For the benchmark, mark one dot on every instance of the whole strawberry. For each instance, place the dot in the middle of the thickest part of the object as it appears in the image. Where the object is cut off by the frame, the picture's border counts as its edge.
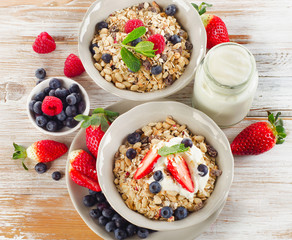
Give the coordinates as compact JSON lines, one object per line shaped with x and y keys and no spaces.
{"x":215,"y":28}
{"x":96,"y":125}
{"x":40,"y":151}
{"x":259,"y":137}
{"x":44,"y":43}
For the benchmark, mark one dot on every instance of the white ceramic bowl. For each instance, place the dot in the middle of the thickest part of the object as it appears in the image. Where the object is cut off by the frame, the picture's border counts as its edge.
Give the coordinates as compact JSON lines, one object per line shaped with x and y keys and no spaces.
{"x":186,"y":15}
{"x":198,"y":123}
{"x":66,"y":82}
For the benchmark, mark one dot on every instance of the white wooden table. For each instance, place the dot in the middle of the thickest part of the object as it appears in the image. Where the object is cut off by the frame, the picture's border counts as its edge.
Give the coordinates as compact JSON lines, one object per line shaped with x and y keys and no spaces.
{"x":34,"y":206}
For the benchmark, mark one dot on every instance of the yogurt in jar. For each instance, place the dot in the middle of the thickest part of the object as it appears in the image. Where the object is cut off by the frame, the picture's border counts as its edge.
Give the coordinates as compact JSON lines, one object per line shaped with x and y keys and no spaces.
{"x":225,"y":83}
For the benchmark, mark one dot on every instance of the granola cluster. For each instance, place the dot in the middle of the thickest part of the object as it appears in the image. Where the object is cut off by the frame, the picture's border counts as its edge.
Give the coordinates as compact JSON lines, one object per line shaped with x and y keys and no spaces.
{"x":136,"y":193}
{"x":173,"y":60}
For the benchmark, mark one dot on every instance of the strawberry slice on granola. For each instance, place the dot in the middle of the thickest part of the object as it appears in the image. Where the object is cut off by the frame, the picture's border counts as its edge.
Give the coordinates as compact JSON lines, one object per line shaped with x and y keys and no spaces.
{"x":178,"y":168}
{"x":147,"y":164}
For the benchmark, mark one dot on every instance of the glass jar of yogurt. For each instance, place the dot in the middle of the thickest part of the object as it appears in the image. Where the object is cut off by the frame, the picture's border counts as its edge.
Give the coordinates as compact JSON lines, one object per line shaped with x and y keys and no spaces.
{"x":225,"y":83}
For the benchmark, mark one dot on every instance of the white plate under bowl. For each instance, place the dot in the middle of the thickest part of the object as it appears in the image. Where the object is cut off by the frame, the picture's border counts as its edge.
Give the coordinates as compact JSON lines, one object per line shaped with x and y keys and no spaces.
{"x":77,"y":193}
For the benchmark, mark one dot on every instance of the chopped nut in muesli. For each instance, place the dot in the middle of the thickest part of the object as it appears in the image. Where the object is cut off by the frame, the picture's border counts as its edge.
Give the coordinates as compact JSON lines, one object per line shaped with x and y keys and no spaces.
{"x":163,"y":171}
{"x":150,"y":61}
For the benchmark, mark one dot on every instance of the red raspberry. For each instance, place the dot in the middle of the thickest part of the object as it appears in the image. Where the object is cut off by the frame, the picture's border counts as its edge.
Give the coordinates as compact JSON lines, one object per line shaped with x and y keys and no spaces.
{"x":133,"y":24}
{"x":52,"y":106}
{"x":44,"y":43}
{"x":159,"y":42}
{"x":73,"y":66}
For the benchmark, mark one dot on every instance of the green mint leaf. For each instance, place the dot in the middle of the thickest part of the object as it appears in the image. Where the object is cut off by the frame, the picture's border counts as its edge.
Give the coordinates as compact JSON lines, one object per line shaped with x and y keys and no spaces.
{"x":81,"y":117}
{"x":149,"y":54}
{"x":98,"y":110}
{"x":130,"y":60}
{"x":164,"y":151}
{"x":144,"y":46}
{"x":136,"y":33}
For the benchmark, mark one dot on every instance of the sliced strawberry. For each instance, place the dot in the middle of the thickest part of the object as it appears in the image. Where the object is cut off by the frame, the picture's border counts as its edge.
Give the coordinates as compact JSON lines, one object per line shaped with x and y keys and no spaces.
{"x":147,"y":164}
{"x":84,"y":163}
{"x":84,"y":181}
{"x":178,"y":168}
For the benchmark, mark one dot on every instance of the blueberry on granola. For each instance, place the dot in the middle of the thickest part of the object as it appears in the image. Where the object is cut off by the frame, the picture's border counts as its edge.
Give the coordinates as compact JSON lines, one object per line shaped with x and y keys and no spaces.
{"x":134,"y":137}
{"x":155,"y":187}
{"x":170,"y":10}
{"x":106,"y":57}
{"x":101,"y":25}
{"x":158,"y":175}
{"x":180,"y":213}
{"x":175,"y":39}
{"x":93,"y":45}
{"x":156,"y":69}
{"x":187,"y":142}
{"x":203,"y":170}
{"x":136,"y":41}
{"x":166,"y":212}
{"x":131,"y":153}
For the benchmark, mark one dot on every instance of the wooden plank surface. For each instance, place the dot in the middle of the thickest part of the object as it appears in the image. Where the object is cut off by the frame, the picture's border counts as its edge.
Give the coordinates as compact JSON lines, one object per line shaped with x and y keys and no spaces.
{"x":34,"y":206}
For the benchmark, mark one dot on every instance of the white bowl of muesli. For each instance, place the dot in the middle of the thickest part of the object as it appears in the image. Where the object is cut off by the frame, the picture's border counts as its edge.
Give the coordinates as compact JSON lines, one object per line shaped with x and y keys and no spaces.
{"x":141,"y":50}
{"x":165,"y":166}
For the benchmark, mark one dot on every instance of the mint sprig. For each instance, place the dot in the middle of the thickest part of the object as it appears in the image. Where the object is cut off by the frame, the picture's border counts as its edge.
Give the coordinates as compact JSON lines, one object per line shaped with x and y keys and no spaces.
{"x":177,"y":148}
{"x":145,"y":48}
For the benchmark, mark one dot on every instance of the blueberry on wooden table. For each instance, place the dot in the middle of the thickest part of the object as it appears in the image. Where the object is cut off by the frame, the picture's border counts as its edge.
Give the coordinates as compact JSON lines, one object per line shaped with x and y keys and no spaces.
{"x":56,"y":175}
{"x":40,"y":167}
{"x":40,"y":73}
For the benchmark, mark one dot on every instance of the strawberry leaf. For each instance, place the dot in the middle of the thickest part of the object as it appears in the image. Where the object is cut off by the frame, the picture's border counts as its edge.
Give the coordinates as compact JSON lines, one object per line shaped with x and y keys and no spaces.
{"x":24,"y":166}
{"x":98,"y":110}
{"x":164,"y":151}
{"x":81,"y":117}
{"x":202,"y":8}
{"x":136,"y":33}
{"x":85,"y":124}
{"x":19,"y":151}
{"x":104,"y":124}
{"x":111,"y":113}
{"x":95,"y":120}
{"x":271,"y":118}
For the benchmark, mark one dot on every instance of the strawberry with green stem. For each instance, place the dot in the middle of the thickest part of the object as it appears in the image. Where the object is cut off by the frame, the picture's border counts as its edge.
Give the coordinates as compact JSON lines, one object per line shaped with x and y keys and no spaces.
{"x":259,"y":137}
{"x":215,"y":28}
{"x":40,"y":151}
{"x":96,"y":125}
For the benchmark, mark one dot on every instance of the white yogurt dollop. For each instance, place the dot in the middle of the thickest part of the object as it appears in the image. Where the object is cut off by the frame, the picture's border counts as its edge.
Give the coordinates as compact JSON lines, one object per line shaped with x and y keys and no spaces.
{"x":193,"y":157}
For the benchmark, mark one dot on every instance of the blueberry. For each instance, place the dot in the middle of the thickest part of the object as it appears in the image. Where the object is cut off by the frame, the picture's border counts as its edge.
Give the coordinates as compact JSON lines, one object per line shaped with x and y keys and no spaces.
{"x":101,"y":25}
{"x":70,"y":122}
{"x":39,"y":96}
{"x":130,"y":70}
{"x":61,"y":93}
{"x":156,"y":69}
{"x":121,"y":222}
{"x":131,"y":230}
{"x":175,"y":39}
{"x":106,"y":57}
{"x":180,"y":213}
{"x":40,"y":73}
{"x":91,"y":48}
{"x":120,"y":234}
{"x":166,"y":212}
{"x":134,"y":137}
{"x":77,"y":96}
{"x":81,"y":107}
{"x":39,"y":81}
{"x":52,"y":126}
{"x":203,"y":170}
{"x":136,"y":41}
{"x":116,"y":216}
{"x":155,"y":187}
{"x":158,"y":175}
{"x":95,"y":213}
{"x":189,"y":45}
{"x":187,"y":142}
{"x":47,"y":90}
{"x":170,"y":10}
{"x":30,"y":105}
{"x":101,"y":206}
{"x":143,"y":233}
{"x":71,"y":111}
{"x":108,"y":213}
{"x":110,"y":226}
{"x":40,"y":168}
{"x":61,"y":116}
{"x":52,"y":92}
{"x":74,"y":88}
{"x":102,"y":220}
{"x":71,"y":99}
{"x":55,"y":83}
{"x":56,"y":175}
{"x":41,"y":121}
{"x":131,"y":153}
{"x":91,"y":192}
{"x":89,"y":200}
{"x":100,"y":197}
{"x":60,"y":124}
{"x":37,"y":107}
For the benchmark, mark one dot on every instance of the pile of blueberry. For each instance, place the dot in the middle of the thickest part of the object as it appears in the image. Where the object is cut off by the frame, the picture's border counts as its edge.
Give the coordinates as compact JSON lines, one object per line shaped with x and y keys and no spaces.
{"x":72,"y":101}
{"x":110,"y":219}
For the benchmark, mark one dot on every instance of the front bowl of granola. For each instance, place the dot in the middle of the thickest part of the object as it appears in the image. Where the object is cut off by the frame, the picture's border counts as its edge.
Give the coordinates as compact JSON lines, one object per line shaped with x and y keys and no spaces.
{"x":165,"y":166}
{"x":152,"y":71}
